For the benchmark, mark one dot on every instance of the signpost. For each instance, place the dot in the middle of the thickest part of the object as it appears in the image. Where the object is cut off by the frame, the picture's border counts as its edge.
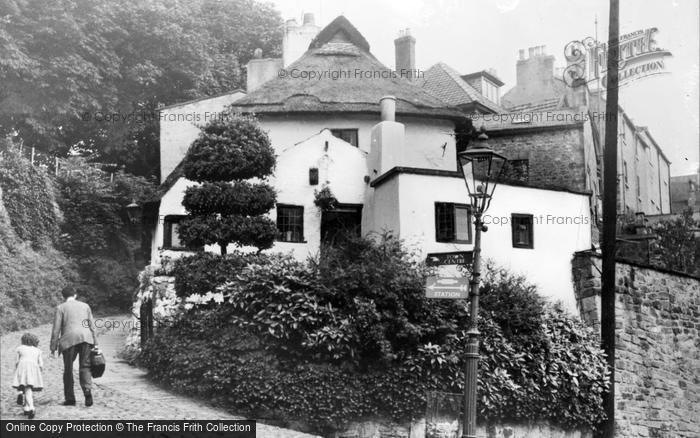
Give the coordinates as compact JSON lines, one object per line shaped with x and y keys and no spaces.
{"x":449,"y":258}
{"x":447,"y":285}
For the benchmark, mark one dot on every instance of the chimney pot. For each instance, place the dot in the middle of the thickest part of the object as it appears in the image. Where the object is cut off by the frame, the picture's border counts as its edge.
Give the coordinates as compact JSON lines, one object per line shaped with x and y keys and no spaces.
{"x":387,"y":105}
{"x":531,"y":52}
{"x":521,"y":54}
{"x":309,"y":19}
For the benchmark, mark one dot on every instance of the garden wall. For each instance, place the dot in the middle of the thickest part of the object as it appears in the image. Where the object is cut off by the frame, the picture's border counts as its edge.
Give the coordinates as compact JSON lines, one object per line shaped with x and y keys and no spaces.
{"x":371,"y":429}
{"x":657,"y":374}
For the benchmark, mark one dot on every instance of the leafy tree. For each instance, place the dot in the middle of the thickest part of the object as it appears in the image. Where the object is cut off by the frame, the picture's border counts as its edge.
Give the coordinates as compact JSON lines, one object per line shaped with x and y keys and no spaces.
{"x":96,"y":232}
{"x":677,"y":246}
{"x":67,"y":65}
{"x":93,"y":206}
{"x":226,"y":208}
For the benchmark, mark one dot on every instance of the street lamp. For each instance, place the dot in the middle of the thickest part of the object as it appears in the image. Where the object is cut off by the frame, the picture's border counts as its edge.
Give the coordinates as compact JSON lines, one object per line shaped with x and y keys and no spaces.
{"x":481,"y":168}
{"x":133,"y":211}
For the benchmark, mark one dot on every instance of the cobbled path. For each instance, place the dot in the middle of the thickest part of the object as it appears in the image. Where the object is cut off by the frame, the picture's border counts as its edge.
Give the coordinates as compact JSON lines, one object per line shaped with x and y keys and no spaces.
{"x":122,"y":393}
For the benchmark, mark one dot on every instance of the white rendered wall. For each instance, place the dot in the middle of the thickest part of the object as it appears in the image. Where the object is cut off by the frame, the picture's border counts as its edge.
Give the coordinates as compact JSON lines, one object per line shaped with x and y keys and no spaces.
{"x":548,"y":264}
{"x":343,"y":167}
{"x":180,"y":126}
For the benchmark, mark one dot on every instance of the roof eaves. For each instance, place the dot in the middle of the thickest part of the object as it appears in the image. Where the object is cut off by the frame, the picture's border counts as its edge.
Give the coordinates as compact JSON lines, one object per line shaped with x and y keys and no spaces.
{"x":199,"y":99}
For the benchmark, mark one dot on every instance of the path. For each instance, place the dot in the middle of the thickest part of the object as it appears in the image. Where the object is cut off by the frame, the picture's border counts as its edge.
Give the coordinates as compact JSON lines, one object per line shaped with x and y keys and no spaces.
{"x":123,"y":392}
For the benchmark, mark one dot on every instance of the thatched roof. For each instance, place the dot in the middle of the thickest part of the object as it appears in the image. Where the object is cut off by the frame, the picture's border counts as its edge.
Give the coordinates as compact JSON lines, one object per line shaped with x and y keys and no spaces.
{"x":342,"y":54}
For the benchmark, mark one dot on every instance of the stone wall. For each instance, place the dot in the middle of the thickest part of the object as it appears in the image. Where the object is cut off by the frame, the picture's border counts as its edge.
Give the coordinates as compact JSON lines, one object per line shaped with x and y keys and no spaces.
{"x":416,"y":429}
{"x":555,"y":157}
{"x":657,"y":373}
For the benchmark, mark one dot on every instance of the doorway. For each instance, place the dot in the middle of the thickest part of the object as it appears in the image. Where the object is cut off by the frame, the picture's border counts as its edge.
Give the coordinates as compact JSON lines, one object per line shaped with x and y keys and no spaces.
{"x":341,"y":222}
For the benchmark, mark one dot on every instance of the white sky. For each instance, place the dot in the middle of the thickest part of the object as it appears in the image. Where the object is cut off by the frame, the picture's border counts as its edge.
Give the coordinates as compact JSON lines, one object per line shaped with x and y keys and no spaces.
{"x":475,"y":35}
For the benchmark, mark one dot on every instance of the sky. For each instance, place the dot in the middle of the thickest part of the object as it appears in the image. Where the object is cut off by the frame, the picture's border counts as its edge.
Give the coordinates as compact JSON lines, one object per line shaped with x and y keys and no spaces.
{"x":477,"y":35}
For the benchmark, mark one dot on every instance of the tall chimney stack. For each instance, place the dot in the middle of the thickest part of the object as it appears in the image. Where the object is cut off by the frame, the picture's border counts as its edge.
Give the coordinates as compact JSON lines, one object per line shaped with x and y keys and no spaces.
{"x":405,"y":53}
{"x":296,"y":38}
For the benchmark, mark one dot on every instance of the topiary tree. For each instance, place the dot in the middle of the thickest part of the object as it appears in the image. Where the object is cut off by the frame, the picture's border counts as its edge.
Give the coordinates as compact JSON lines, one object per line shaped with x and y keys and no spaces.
{"x":226,"y":208}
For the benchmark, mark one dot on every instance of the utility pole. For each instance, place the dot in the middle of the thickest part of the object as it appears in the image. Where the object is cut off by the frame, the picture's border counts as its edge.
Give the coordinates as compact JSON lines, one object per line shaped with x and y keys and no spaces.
{"x":607,"y":294}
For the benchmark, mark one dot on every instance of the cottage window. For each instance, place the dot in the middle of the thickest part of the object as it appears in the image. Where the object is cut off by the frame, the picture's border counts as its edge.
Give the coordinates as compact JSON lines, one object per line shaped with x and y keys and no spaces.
{"x":521,"y":225}
{"x":348,"y":135}
{"x":290,"y":223}
{"x":452,"y":223}
{"x":171,"y":237}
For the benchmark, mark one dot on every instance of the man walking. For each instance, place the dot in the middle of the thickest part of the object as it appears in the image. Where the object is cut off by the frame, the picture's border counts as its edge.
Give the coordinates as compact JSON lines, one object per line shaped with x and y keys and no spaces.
{"x":73,"y":335}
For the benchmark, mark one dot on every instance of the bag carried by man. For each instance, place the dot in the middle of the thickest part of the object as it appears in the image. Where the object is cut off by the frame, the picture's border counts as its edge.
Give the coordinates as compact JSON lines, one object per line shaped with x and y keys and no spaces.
{"x":97,"y":362}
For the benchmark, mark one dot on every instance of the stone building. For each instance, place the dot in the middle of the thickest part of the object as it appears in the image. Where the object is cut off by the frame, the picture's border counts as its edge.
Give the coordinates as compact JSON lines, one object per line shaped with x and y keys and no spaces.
{"x":685,"y":193}
{"x":541,"y":103}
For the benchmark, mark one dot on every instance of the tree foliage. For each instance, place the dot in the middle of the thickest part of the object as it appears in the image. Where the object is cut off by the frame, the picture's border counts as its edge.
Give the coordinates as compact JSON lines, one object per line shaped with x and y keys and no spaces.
{"x":232,"y":147}
{"x":677,"y":246}
{"x":29,"y":197}
{"x":94,"y":208}
{"x":90,"y":74}
{"x":96,"y":232}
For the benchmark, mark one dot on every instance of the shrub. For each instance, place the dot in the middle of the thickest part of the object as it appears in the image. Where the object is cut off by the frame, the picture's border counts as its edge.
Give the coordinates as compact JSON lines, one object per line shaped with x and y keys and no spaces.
{"x":203,"y":272}
{"x":229,"y":148}
{"x":352,"y":336}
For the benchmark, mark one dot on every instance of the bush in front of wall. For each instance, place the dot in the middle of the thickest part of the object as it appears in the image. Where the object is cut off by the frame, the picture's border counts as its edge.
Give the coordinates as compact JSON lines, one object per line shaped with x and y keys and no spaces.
{"x":203,"y":272}
{"x":352,"y":336}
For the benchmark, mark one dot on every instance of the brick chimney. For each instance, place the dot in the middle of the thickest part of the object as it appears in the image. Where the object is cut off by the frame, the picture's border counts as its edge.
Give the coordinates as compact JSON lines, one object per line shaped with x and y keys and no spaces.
{"x":536,"y":70}
{"x":405,"y":53}
{"x":260,"y":70}
{"x":534,"y":78}
{"x":296,"y":39}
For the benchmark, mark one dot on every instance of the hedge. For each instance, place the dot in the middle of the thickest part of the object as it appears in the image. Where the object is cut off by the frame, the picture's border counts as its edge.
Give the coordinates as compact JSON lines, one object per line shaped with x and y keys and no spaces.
{"x":352,"y":336}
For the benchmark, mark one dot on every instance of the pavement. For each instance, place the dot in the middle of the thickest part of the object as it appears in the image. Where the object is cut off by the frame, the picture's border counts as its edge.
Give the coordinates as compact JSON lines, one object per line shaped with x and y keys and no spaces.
{"x":123,"y":393}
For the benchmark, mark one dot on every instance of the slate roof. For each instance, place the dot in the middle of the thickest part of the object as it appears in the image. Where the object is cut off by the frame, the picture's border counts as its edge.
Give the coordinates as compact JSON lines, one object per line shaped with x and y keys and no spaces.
{"x":444,"y":82}
{"x":340,"y":47}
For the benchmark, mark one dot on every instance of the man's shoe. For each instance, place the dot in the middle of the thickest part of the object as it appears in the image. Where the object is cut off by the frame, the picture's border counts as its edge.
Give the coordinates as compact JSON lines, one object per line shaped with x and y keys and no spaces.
{"x":88,"y":399}
{"x":68,"y":403}
{"x":31,"y":414}
{"x":20,"y":399}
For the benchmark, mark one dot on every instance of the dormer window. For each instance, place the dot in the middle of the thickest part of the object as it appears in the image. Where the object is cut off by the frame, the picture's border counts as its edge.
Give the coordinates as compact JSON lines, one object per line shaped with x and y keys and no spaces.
{"x":347,"y":135}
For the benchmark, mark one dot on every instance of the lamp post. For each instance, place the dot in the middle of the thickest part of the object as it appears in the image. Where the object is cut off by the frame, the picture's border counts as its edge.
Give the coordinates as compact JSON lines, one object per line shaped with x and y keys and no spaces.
{"x":481,"y":167}
{"x":133,"y":211}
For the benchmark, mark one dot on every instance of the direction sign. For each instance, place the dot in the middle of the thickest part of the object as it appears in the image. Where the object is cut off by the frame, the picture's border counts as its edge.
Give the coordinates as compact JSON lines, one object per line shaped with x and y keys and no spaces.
{"x":446,"y":287}
{"x":449,"y":258}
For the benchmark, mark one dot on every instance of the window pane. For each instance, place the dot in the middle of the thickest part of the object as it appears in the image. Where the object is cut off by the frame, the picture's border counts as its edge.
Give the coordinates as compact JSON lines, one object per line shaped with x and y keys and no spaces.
{"x":290,"y":223}
{"x":522,"y":231}
{"x":461,"y":223}
{"x":444,"y":221}
{"x":175,"y":236}
{"x":348,"y":135}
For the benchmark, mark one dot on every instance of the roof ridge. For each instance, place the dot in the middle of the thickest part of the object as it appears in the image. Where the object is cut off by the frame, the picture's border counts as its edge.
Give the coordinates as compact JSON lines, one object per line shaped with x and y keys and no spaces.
{"x":340,"y":24}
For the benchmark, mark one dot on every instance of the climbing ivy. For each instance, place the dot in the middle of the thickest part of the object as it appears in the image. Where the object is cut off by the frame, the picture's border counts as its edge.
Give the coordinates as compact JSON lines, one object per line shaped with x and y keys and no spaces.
{"x":29,"y":198}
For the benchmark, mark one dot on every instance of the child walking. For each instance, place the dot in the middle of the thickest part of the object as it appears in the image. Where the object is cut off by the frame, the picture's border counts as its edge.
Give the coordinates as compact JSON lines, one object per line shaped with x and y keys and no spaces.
{"x":28,"y":371}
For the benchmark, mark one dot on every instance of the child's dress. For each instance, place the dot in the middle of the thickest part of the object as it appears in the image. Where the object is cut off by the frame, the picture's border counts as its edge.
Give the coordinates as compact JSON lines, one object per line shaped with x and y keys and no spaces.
{"x":28,"y":372}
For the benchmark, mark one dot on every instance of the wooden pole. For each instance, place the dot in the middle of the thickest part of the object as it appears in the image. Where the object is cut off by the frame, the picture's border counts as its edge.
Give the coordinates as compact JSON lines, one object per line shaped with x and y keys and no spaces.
{"x":32,"y":155}
{"x":607,"y":295}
